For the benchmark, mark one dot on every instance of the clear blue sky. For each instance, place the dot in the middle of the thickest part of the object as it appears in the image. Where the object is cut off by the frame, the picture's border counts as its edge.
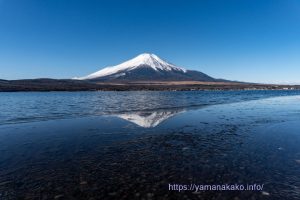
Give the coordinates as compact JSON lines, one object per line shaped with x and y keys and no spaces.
{"x":248,"y":40}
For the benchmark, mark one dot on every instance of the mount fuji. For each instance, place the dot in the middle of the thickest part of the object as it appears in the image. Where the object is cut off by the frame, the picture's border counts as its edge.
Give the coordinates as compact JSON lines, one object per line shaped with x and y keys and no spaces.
{"x":146,"y":67}
{"x":144,"y":72}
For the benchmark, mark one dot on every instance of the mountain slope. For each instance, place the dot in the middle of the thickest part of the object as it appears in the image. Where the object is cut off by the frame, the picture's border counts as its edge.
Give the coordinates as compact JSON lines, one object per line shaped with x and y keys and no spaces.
{"x":146,"y":67}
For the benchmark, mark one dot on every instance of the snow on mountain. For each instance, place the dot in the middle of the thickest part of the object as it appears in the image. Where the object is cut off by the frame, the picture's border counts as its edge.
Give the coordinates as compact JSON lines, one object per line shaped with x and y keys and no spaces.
{"x":142,"y":60}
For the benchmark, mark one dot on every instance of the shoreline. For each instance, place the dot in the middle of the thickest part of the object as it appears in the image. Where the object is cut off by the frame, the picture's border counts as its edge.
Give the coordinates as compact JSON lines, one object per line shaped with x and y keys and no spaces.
{"x":47,"y":85}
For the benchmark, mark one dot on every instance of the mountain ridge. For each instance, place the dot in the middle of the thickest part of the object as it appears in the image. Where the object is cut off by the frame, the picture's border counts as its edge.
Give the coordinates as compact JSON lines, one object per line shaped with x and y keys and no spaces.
{"x":146,"y":67}
{"x":144,"y":72}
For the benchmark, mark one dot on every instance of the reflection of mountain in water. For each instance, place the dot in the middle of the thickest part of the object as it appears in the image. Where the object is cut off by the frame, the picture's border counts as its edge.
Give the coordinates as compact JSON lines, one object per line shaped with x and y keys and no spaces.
{"x":149,"y":119}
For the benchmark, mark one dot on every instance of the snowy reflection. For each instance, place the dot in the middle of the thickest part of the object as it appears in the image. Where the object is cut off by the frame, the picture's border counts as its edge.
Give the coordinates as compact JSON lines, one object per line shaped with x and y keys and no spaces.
{"x":149,"y":119}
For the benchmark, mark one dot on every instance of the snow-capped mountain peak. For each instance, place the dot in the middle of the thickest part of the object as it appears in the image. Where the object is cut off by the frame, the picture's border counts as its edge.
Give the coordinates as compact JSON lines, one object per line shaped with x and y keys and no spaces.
{"x":142,"y":60}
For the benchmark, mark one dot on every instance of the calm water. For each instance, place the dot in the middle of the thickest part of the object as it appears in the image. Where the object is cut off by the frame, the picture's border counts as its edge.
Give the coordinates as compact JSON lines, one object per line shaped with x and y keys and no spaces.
{"x":132,"y":145}
{"x":37,"y":106}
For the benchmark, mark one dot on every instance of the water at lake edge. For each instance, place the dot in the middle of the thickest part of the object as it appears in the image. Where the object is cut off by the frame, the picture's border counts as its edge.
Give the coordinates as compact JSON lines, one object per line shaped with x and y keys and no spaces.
{"x":136,"y":154}
{"x":39,"y":106}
